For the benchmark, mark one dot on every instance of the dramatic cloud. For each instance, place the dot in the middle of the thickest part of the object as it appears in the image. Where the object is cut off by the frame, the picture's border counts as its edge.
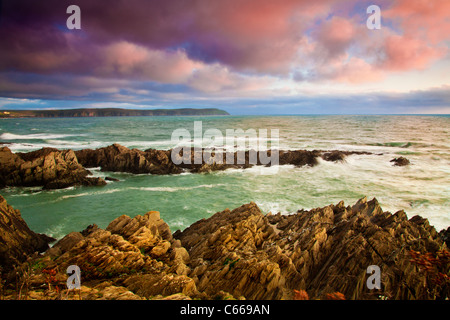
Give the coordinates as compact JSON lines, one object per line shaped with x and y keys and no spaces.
{"x":147,"y":51}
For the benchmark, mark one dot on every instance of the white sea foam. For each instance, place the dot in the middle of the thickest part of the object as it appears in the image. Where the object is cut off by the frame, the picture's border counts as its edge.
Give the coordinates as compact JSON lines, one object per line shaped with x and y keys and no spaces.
{"x":161,"y":144}
{"x":58,"y":144}
{"x":274,"y":206}
{"x":420,"y":188}
{"x":34,"y":136}
{"x":74,"y":195}
{"x":84,"y":194}
{"x":257,"y":170}
{"x":175,"y":189}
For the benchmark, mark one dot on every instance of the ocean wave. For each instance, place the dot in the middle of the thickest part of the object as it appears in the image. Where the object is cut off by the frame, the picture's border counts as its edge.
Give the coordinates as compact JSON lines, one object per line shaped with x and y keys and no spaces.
{"x":274,"y":206}
{"x":175,"y":189}
{"x":74,"y":196}
{"x":257,"y":170}
{"x":34,"y":136}
{"x":166,"y":144}
{"x":27,"y":147}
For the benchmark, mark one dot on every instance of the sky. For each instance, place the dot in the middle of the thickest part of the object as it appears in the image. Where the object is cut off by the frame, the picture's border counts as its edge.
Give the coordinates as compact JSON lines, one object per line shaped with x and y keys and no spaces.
{"x":242,"y":56}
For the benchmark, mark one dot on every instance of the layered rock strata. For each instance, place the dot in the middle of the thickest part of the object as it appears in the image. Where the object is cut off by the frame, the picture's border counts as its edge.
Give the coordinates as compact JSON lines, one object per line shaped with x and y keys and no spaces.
{"x":55,"y":169}
{"x":47,"y":167}
{"x":245,"y":254}
{"x":122,"y":159}
{"x":17,"y":241}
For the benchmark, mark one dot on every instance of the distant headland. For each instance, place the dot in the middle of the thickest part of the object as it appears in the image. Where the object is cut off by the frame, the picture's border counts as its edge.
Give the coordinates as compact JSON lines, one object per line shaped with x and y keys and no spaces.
{"x":110,"y":112}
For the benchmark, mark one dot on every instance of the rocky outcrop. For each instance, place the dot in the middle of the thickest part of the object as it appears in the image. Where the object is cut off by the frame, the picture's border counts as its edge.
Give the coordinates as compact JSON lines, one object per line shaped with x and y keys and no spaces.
{"x":121,"y":159}
{"x":244,"y":254}
{"x":17,"y":241}
{"x":400,"y":161}
{"x":47,"y":167}
{"x":321,"y":251}
{"x":55,"y":169}
{"x":138,"y":254}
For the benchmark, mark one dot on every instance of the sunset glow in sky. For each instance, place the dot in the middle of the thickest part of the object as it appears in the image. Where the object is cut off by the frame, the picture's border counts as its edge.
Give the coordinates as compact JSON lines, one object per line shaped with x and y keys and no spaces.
{"x":243,"y":56}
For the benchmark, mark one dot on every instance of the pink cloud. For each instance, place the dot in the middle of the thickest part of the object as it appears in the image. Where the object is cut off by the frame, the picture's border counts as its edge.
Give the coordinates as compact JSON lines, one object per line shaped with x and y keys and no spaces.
{"x":403,"y":53}
{"x":428,"y":20}
{"x":217,"y":45}
{"x":335,"y":36}
{"x":128,"y":60}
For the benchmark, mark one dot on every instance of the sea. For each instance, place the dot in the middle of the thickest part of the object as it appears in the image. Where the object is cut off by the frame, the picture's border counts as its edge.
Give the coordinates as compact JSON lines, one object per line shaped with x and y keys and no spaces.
{"x":421,"y":188}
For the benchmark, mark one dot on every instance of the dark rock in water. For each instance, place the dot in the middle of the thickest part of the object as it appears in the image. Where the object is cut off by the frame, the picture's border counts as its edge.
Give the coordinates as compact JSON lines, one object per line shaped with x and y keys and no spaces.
{"x":47,"y":167}
{"x":17,"y":241}
{"x":334,"y":156}
{"x":111,"y":179}
{"x":299,"y":157}
{"x":400,"y":161}
{"x":55,"y":169}
{"x":118,"y":158}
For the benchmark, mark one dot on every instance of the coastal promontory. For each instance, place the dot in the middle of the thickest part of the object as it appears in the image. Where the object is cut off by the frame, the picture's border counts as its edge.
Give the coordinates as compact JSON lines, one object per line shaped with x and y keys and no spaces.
{"x":110,"y":112}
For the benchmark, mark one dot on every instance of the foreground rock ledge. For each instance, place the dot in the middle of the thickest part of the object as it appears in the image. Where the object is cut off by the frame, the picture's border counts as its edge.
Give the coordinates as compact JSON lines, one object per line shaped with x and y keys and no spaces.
{"x":241,"y":254}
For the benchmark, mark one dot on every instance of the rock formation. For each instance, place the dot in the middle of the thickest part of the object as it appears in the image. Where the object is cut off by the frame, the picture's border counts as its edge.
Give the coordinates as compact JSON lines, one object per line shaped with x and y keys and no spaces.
{"x":244,"y":254}
{"x":17,"y":241}
{"x":321,"y":251}
{"x":400,"y":161}
{"x":55,"y":169}
{"x":121,"y":159}
{"x":47,"y":167}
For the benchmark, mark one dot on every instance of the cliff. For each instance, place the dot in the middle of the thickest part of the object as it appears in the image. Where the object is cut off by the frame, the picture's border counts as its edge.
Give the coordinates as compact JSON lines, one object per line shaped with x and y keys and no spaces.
{"x":242,"y":254}
{"x":110,"y":112}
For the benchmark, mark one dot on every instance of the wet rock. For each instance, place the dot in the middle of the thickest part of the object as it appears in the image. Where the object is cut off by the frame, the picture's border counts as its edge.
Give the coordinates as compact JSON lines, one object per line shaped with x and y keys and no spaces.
{"x":111,"y":179}
{"x":47,"y":167}
{"x":334,"y":156}
{"x":121,"y":159}
{"x":400,"y":161}
{"x":118,"y":158}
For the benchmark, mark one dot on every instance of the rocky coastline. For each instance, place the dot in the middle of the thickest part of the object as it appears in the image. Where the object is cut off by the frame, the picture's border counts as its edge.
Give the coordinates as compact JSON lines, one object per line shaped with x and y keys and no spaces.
{"x":235,"y":254}
{"x":51,"y":168}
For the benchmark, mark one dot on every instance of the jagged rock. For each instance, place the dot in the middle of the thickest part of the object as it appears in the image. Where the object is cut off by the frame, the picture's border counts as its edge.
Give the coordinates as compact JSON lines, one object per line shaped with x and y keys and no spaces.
{"x":55,"y":169}
{"x":149,"y":285}
{"x":47,"y":167}
{"x":127,"y":245}
{"x":323,"y":250}
{"x":400,"y":161}
{"x":107,"y":291}
{"x":445,"y":236}
{"x":17,"y":241}
{"x":337,"y":155}
{"x":299,"y":157}
{"x":244,"y":254}
{"x":121,"y":159}
{"x":130,"y":254}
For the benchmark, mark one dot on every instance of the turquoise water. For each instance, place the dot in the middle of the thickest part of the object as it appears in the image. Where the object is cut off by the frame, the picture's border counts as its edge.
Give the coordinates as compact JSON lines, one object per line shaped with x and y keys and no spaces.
{"x":421,"y":188}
